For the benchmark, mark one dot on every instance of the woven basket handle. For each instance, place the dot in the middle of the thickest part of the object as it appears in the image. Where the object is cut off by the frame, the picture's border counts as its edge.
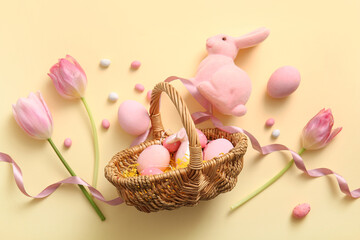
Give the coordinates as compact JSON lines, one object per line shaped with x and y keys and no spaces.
{"x":158,"y":129}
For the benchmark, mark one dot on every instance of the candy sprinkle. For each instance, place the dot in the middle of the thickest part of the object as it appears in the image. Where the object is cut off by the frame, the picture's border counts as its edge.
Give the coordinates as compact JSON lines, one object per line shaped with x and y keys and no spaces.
{"x":275,"y":133}
{"x":105,"y":63}
{"x":67,"y":142}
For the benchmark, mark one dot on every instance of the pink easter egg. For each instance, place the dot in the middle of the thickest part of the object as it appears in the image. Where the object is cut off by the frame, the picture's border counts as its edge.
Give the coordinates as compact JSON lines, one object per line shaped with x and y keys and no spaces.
{"x":202,"y":138}
{"x":284,"y":81}
{"x":270,"y":122}
{"x":301,"y":210}
{"x":217,"y":148}
{"x":154,"y":156}
{"x":135,"y":64}
{"x":139,"y":87}
{"x":150,"y":171}
{"x":133,"y":117}
{"x":67,"y":142}
{"x":182,"y":157}
{"x":105,"y":124}
{"x":171,"y":147}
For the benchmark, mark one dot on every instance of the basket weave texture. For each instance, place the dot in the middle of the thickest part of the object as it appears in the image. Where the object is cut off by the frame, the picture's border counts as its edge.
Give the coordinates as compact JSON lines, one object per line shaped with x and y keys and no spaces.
{"x":181,"y":187}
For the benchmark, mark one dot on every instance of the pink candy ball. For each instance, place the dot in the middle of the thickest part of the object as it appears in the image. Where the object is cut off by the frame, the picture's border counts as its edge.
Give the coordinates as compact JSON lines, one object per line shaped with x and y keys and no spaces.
{"x":139,"y":87}
{"x":148,"y":95}
{"x":284,"y":81}
{"x":154,"y":156}
{"x":270,"y":122}
{"x":133,"y":117}
{"x":301,"y":210}
{"x":67,"y":142}
{"x":135,"y":64}
{"x":171,"y":147}
{"x":105,"y":123}
{"x":150,"y":171}
{"x":217,"y":148}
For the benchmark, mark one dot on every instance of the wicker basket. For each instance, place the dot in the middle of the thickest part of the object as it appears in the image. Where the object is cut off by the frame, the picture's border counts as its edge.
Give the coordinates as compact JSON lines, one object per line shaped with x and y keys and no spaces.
{"x":182,"y":187}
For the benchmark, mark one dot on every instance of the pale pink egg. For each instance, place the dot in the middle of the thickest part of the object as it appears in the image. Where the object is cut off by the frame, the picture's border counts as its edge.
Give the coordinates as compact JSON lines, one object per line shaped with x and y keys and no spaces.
{"x":67,"y":142}
{"x":182,"y":157}
{"x":150,"y":171}
{"x":301,"y":210}
{"x":135,"y":64}
{"x":202,"y":138}
{"x":171,"y":147}
{"x":105,"y":124}
{"x":133,"y":117}
{"x":284,"y":81}
{"x":217,"y":148}
{"x":270,"y":122}
{"x":154,"y":156}
{"x":139,"y":87}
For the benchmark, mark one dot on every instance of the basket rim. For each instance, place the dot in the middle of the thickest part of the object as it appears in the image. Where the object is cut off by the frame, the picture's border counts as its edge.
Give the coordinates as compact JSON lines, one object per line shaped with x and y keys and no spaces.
{"x":166,"y":175}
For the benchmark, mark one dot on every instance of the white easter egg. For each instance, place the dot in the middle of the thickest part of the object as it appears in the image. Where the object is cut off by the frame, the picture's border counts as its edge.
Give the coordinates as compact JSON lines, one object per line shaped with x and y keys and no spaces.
{"x":113,"y":97}
{"x":275,"y":133}
{"x":105,"y":62}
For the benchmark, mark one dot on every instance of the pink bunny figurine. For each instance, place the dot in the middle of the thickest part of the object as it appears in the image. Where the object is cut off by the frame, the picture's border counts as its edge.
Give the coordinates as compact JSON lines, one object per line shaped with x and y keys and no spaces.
{"x":219,"y":80}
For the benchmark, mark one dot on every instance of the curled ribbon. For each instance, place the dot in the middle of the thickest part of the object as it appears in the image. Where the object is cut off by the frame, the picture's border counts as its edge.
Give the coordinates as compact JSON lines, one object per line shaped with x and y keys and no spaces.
{"x":199,"y":117}
{"x":52,"y":188}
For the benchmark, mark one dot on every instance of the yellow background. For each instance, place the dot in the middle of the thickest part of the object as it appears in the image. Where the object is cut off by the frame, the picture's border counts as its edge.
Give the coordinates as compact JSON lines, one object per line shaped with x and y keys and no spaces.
{"x":320,"y":38}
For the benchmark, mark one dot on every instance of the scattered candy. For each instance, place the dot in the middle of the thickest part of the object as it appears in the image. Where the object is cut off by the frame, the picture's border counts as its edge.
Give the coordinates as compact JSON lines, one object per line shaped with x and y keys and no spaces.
{"x":150,"y":171}
{"x":148,"y":95}
{"x":105,"y":123}
{"x":154,"y":156}
{"x":284,"y":81}
{"x":113,"y":97}
{"x":269,"y":122}
{"x":301,"y":210}
{"x":217,"y":148}
{"x":139,"y":87}
{"x":135,"y":64}
{"x":105,"y":62}
{"x":133,"y":117}
{"x":275,"y":133}
{"x":171,"y":147}
{"x":67,"y":142}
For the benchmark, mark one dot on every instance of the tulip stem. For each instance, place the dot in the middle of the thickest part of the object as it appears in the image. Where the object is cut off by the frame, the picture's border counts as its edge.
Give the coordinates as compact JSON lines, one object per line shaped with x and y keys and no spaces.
{"x":87,"y":195}
{"x":267,"y":184}
{"x":96,"y":143}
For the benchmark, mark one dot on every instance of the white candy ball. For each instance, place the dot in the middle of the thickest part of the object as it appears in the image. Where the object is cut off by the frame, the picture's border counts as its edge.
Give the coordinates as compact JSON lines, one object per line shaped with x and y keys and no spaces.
{"x":105,"y":62}
{"x":275,"y":133}
{"x":113,"y":97}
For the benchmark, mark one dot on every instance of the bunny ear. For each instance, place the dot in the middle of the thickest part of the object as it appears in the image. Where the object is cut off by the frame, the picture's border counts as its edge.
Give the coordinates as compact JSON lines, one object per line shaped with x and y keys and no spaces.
{"x":253,"y":38}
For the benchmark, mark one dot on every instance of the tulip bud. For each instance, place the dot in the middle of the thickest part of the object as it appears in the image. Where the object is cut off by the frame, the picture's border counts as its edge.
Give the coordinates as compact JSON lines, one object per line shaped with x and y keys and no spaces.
{"x":69,"y":78}
{"x":33,"y":116}
{"x":318,"y":131}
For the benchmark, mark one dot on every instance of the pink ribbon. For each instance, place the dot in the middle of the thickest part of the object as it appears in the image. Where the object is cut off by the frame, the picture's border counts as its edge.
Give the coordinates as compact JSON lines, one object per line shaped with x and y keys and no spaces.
{"x":52,"y":188}
{"x":199,"y":117}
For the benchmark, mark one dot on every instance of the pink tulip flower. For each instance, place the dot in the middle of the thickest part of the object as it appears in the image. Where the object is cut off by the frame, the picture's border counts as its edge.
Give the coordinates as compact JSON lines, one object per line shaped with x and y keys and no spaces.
{"x":70,"y":81}
{"x":33,"y":116}
{"x":316,"y":134}
{"x":318,"y":131}
{"x":69,"y":78}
